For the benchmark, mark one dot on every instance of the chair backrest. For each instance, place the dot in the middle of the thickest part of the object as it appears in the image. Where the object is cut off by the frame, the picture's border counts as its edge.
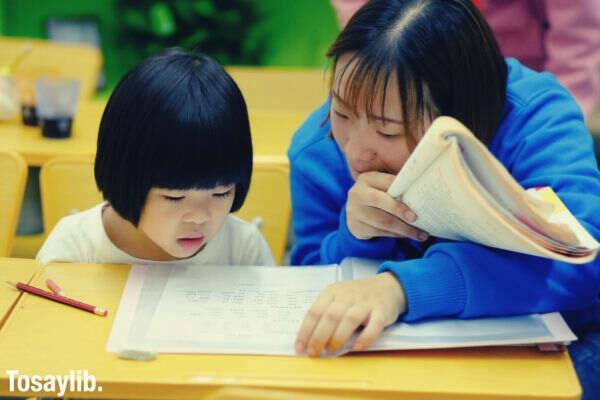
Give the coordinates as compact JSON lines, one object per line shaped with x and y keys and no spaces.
{"x":67,"y":185}
{"x":272,"y":131}
{"x":13,"y":174}
{"x":268,"y":203}
{"x":82,"y":62}
{"x":282,"y":89}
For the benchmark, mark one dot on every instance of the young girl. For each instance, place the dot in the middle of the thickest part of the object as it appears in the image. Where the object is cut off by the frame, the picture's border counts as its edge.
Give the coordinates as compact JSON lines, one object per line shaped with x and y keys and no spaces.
{"x":397,"y":65}
{"x":174,"y":159}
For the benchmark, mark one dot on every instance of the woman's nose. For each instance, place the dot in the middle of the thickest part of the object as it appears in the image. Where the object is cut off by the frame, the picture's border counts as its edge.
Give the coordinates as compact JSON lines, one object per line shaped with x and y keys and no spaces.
{"x":358,"y":148}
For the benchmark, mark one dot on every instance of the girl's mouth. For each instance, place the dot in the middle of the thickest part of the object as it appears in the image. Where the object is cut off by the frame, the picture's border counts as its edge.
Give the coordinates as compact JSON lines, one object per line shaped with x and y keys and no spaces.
{"x":191,"y":243}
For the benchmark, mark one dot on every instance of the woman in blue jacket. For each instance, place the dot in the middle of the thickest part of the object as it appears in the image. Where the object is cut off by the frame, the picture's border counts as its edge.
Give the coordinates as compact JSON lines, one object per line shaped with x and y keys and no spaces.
{"x":397,"y":65}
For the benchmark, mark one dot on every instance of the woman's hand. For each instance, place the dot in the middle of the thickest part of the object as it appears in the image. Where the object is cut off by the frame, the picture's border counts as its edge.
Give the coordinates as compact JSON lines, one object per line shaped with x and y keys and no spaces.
{"x":341,"y":308}
{"x":371,"y":212}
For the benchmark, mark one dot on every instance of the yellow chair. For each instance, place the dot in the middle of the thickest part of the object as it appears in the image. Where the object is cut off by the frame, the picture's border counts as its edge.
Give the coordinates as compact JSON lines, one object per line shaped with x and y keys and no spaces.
{"x":13,"y":174}
{"x":82,"y":62}
{"x":282,"y":89}
{"x":268,"y":203}
{"x":67,"y":185}
{"x":47,"y":58}
{"x":272,"y":130}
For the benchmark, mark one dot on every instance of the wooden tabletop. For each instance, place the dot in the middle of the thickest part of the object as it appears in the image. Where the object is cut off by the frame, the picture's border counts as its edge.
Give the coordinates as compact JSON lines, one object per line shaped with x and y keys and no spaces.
{"x":15,"y":270}
{"x":42,"y":337}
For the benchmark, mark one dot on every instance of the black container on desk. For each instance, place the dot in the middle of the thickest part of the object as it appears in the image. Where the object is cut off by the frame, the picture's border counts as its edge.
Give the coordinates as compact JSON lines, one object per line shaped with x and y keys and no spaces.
{"x":56,"y":128}
{"x":29,"y":114}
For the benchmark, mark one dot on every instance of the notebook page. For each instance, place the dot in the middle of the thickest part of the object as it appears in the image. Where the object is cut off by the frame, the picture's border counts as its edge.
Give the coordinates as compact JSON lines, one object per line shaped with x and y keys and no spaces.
{"x":245,"y":310}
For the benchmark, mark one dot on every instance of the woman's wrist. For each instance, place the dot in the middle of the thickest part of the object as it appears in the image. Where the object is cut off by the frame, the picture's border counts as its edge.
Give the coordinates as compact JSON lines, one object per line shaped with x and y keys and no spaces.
{"x":395,"y":291}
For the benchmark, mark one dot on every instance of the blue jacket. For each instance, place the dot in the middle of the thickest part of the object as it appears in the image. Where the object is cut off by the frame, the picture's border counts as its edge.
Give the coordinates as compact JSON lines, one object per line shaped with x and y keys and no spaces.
{"x":541,"y":140}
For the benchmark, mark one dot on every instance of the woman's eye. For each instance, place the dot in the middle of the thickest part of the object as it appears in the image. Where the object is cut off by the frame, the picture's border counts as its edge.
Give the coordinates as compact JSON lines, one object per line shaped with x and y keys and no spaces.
{"x":223,"y":194}
{"x":388,"y":135}
{"x":173,"y":198}
{"x":339,"y":114}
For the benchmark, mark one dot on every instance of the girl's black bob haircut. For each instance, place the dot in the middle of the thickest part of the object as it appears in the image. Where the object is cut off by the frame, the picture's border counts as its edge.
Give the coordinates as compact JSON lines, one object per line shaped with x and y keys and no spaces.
{"x":175,"y":121}
{"x":443,"y":53}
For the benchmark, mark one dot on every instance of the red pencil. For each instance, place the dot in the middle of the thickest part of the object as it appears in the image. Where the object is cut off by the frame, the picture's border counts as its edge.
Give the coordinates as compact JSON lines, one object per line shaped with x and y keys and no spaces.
{"x":60,"y":299}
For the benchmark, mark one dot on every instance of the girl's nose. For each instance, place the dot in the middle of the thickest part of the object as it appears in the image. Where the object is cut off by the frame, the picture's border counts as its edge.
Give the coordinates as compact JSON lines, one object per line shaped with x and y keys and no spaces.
{"x":197,"y":215}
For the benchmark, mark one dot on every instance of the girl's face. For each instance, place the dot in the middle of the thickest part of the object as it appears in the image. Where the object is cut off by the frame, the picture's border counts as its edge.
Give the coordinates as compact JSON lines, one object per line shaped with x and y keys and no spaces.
{"x":181,"y":222}
{"x":369,"y":142}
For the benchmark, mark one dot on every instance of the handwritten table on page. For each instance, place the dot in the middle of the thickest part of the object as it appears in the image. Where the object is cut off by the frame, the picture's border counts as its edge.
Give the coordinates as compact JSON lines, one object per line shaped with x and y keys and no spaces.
{"x":258,"y":310}
{"x":252,"y":310}
{"x":254,"y":307}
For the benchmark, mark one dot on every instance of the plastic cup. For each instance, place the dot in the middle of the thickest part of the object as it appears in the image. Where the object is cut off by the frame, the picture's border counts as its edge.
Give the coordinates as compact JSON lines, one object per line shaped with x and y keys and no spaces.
{"x":56,"y":102}
{"x":9,"y":99}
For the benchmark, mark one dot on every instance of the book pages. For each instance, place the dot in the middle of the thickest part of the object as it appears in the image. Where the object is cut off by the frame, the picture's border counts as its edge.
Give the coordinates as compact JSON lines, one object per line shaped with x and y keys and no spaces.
{"x":258,"y":310}
{"x":459,"y":191}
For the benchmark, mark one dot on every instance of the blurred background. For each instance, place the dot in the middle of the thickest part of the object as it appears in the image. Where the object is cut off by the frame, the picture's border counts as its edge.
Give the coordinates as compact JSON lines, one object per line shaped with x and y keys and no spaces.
{"x":235,"y":32}
{"x":274,"y":50}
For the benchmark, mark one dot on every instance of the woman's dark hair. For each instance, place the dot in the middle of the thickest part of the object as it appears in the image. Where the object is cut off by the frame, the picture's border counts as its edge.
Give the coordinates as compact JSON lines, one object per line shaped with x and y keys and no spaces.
{"x":443,"y":53}
{"x":175,"y":121}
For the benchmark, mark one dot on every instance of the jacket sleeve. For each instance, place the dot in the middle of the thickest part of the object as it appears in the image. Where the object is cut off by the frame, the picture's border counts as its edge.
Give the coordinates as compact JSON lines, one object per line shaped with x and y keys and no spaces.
{"x":319,"y":222}
{"x":539,"y":148}
{"x":256,"y":250}
{"x":67,"y":243}
{"x":319,"y":182}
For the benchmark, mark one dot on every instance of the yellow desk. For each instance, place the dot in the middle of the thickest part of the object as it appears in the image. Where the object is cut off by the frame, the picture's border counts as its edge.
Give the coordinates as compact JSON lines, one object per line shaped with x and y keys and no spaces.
{"x":278,"y":99}
{"x":42,"y":337}
{"x":56,"y":59}
{"x":36,"y":149}
{"x":15,"y":270}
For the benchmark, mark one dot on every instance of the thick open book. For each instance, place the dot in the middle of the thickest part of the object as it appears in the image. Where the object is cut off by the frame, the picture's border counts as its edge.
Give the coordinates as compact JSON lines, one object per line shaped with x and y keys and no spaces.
{"x":258,"y":310}
{"x":460,"y":191}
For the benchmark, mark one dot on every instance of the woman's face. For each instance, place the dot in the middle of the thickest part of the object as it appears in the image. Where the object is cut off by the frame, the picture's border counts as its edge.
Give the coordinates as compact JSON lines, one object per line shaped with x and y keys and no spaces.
{"x":369,"y":142}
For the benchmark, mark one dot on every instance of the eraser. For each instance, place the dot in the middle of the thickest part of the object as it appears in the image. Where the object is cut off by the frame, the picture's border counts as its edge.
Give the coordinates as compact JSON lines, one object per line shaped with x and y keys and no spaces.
{"x":136,"y":354}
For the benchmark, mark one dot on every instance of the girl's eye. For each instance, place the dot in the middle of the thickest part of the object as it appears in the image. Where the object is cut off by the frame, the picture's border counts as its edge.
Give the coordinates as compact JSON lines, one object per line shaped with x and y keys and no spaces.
{"x":223,"y":194}
{"x":173,"y":198}
{"x":339,"y":114}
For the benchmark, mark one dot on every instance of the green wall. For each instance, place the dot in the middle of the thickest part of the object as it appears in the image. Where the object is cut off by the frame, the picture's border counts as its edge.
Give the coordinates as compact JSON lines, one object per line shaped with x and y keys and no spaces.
{"x":297,"y":33}
{"x":28,"y":18}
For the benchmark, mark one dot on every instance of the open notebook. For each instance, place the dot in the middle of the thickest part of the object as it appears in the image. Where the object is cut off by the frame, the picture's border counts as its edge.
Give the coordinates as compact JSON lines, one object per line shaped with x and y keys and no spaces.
{"x":258,"y":310}
{"x":460,"y":191}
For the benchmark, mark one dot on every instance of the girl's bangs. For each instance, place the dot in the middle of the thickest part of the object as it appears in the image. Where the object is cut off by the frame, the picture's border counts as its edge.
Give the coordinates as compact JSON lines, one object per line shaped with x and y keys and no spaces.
{"x":202,"y":155}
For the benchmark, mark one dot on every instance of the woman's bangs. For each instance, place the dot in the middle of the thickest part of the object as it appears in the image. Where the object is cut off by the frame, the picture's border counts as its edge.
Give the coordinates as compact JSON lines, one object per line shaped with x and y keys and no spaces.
{"x":365,"y":85}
